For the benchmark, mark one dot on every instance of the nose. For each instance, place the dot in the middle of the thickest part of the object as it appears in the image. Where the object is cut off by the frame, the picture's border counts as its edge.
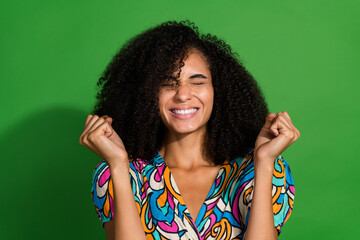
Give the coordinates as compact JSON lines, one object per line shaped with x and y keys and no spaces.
{"x":183,"y":93}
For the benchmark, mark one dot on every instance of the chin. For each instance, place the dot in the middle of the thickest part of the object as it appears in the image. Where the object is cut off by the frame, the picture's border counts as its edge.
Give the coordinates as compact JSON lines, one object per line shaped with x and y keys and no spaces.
{"x":187,"y":129}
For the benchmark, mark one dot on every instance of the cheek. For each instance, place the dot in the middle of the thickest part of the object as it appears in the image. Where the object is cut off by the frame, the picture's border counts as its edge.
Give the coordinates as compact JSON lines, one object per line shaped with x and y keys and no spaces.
{"x":162,"y":101}
{"x":209,"y":97}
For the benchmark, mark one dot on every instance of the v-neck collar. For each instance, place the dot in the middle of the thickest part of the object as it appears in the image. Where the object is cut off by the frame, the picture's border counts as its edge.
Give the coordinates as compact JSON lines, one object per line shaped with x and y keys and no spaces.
{"x":171,"y":184}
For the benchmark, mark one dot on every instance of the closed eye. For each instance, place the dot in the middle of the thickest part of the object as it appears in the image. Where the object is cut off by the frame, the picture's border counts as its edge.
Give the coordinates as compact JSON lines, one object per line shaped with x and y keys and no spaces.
{"x":198,"y":83}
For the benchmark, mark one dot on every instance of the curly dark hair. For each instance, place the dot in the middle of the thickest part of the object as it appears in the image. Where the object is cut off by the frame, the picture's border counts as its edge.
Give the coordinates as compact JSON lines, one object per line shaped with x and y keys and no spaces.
{"x":128,"y":91}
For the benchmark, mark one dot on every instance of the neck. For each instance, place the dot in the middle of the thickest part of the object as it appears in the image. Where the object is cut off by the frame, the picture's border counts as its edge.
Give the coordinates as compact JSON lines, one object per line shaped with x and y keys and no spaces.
{"x":185,"y":151}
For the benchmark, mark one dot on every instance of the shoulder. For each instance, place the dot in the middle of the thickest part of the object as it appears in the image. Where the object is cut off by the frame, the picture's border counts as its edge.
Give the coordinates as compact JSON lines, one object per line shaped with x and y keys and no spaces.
{"x":102,"y":192}
{"x":102,"y":187}
{"x":283,"y":189}
{"x":101,"y":173}
{"x":281,"y":166}
{"x":101,"y":178}
{"x":282,"y":179}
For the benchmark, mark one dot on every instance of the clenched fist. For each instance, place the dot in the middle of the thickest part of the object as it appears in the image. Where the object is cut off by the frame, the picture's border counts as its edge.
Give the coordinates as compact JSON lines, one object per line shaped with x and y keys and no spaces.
{"x":99,"y":137}
{"x":277,"y":134}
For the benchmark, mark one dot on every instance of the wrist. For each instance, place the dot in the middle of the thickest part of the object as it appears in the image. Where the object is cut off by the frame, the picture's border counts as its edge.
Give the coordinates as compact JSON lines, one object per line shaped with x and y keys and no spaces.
{"x":264,"y":165}
{"x":119,"y":166}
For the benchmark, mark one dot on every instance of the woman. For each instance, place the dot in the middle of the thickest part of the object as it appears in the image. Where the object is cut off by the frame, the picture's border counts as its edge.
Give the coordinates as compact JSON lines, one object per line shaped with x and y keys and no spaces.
{"x":185,"y":132}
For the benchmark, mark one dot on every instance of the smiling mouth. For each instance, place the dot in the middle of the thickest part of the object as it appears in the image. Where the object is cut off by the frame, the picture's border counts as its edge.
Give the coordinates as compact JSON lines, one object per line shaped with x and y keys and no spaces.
{"x":184,"y":112}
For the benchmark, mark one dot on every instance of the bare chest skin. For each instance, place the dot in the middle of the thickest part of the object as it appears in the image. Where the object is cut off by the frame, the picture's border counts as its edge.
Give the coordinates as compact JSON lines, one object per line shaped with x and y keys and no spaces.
{"x":194,"y":186}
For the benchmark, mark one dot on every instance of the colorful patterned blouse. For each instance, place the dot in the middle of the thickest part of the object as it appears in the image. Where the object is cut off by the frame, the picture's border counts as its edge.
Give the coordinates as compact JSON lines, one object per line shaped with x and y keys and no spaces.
{"x":223,"y":215}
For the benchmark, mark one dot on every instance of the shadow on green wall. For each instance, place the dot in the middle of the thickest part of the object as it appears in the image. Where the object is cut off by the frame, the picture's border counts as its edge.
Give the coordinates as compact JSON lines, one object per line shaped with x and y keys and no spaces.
{"x":46,"y":179}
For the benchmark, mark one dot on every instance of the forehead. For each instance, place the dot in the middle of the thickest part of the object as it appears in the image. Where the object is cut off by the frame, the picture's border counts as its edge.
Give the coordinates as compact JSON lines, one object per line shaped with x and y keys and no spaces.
{"x":197,"y":54}
{"x":193,"y":61}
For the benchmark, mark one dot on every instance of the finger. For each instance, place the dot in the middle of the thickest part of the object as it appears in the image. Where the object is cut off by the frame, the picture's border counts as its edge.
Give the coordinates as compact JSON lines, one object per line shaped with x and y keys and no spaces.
{"x":281,"y":126}
{"x":277,"y":124}
{"x":110,"y":130}
{"x":97,"y":124}
{"x":87,"y":120}
{"x":281,"y":117}
{"x":96,"y":137}
{"x":109,"y":119}
{"x":296,"y":130}
{"x":287,"y":115}
{"x":86,"y":130}
{"x":99,"y":121}
{"x":269,"y":120}
{"x":84,"y":140}
{"x":91,"y":122}
{"x":100,"y":128}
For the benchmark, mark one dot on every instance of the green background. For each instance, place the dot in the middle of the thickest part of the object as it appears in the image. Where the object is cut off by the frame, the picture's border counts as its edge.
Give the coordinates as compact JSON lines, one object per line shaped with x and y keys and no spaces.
{"x":304,"y":54}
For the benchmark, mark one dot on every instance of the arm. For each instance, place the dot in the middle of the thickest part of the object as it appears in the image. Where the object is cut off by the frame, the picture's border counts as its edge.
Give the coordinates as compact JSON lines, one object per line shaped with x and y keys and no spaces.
{"x":126,"y":223}
{"x":99,"y":137}
{"x":277,"y":134}
{"x":261,"y":219}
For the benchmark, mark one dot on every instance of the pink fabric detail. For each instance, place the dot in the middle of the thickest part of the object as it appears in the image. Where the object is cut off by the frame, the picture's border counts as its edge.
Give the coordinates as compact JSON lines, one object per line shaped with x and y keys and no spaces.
{"x":242,"y":186}
{"x":236,"y":200}
{"x":292,"y":189}
{"x":218,"y":181}
{"x":210,"y":206}
{"x":197,"y":231}
{"x":104,"y":177}
{"x":173,"y":228}
{"x":212,"y":218}
{"x":157,"y":176}
{"x":138,"y":164}
{"x":171,"y":199}
{"x":159,"y":173}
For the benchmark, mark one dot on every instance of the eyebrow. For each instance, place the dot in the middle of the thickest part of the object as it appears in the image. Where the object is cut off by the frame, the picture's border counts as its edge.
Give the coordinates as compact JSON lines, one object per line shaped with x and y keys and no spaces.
{"x":197,"y":76}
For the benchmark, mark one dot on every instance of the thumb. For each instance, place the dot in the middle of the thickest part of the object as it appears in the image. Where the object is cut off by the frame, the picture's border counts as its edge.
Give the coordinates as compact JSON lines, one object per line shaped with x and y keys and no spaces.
{"x":113,"y":136}
{"x":269,"y":119}
{"x":110,"y":130}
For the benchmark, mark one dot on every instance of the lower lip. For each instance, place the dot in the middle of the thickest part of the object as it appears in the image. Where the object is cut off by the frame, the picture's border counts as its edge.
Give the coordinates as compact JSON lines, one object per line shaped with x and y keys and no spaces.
{"x":184,"y":116}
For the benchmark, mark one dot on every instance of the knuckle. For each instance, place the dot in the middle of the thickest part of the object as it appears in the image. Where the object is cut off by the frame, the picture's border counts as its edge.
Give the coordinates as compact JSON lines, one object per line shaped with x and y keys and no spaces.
{"x":101,"y":120}
{"x":81,"y":140}
{"x":91,"y":137}
{"x":289,"y":134}
{"x":84,"y":140}
{"x":292,"y":135}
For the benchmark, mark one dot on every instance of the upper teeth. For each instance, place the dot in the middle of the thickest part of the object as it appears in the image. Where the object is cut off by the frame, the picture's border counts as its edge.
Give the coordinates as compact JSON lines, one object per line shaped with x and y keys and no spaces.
{"x":187,"y":111}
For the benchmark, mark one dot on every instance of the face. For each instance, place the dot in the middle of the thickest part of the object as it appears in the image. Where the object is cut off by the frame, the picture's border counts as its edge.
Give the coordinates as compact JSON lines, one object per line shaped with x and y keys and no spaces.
{"x":186,"y":102}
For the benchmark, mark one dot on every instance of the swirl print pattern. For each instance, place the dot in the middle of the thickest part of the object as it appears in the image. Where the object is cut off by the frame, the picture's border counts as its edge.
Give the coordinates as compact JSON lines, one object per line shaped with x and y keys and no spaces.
{"x":224,"y":213}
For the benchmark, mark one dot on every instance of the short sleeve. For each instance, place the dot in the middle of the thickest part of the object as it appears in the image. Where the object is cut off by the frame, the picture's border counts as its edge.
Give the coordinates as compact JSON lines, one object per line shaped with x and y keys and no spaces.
{"x":102,"y":192}
{"x":283,"y":192}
